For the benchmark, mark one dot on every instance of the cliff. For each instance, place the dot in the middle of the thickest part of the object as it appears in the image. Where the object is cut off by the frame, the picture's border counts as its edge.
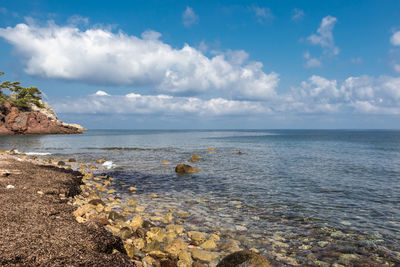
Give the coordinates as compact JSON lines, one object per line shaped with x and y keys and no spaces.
{"x":34,"y":120}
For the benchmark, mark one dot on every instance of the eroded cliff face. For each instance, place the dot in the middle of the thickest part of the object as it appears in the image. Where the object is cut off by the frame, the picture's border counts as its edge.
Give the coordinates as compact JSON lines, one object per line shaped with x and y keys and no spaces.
{"x":33,"y":121}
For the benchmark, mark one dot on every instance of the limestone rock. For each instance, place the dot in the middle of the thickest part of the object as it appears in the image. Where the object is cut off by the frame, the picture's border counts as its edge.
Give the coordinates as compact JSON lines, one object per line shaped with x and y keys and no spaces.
{"x":244,"y":258}
{"x":197,"y":237}
{"x":185,"y":169}
{"x":204,"y":255}
{"x":175,"y":247}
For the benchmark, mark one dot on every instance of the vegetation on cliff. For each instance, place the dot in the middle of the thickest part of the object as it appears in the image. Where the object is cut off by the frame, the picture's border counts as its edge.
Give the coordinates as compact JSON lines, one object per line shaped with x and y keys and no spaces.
{"x":20,"y":96}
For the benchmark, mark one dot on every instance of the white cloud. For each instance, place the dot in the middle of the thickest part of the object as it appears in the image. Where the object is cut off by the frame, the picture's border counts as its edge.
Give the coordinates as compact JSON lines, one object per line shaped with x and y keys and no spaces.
{"x":297,"y":14}
{"x":189,"y":17}
{"x":262,"y":13}
{"x":396,"y":67}
{"x":324,"y":36}
{"x":311,"y":62}
{"x":363,"y":94}
{"x":78,"y":20}
{"x":356,"y":60}
{"x":102,"y":93}
{"x":134,"y":103}
{"x":99,"y":56}
{"x":395,"y":39}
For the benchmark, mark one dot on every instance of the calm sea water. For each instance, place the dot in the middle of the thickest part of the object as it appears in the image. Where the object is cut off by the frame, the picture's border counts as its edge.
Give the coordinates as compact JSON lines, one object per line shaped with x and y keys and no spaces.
{"x":290,"y":183}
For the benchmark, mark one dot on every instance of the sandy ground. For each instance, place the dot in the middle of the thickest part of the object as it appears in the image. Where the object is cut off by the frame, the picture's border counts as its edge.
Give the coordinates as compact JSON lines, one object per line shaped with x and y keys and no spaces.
{"x":37,"y":227}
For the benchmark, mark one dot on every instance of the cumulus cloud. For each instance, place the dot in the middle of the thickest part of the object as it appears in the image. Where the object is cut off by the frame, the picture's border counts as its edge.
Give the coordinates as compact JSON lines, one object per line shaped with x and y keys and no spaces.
{"x":134,"y":103}
{"x":324,"y":36}
{"x":363,"y":94}
{"x":311,"y":62}
{"x":395,"y":39}
{"x":262,"y":13}
{"x":189,"y":17}
{"x":297,"y":14}
{"x":99,"y":56}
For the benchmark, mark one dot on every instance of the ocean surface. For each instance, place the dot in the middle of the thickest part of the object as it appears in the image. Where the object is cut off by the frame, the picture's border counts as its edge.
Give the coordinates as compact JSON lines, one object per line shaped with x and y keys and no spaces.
{"x":288,"y":192}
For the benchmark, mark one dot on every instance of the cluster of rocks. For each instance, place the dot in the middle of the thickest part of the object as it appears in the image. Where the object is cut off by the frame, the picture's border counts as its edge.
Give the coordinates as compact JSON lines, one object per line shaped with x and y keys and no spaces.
{"x":33,"y":121}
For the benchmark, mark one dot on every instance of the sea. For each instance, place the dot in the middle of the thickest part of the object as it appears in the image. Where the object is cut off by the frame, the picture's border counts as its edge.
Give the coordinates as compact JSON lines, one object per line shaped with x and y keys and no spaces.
{"x":299,"y":196}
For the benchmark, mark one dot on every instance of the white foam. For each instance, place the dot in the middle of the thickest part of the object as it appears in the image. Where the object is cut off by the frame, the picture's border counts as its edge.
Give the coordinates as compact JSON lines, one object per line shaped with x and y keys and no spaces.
{"x":37,"y":153}
{"x":108,"y":164}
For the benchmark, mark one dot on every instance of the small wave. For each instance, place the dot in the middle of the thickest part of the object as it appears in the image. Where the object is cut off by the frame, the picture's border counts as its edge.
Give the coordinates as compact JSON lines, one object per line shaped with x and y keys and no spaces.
{"x":37,"y":153}
{"x":130,"y":148}
{"x":109,"y":164}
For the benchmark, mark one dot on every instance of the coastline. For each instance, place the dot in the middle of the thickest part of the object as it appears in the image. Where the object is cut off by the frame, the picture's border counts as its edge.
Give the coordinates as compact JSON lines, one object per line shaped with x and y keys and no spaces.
{"x":73,"y":218}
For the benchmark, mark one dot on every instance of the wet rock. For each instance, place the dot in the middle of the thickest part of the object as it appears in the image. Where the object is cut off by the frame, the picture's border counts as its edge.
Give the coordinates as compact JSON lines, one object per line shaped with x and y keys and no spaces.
{"x":130,"y":250}
{"x":115,"y":216}
{"x":244,"y":258}
{"x":125,"y":233}
{"x":209,"y":244}
{"x":150,"y":262}
{"x":165,"y":162}
{"x":185,"y":169}
{"x":346,"y":259}
{"x":71,"y":160}
{"x":175,"y":247}
{"x":147,"y":225}
{"x":231,"y":245}
{"x":178,"y":229}
{"x":101,"y":161}
{"x":241,"y":153}
{"x":96,"y":202}
{"x":132,"y":188}
{"x":152,"y":246}
{"x":211,"y":148}
{"x":61,"y":163}
{"x":138,"y":243}
{"x":141,"y":232}
{"x":197,"y":237}
{"x":168,"y":263}
{"x":204,"y":255}
{"x":185,"y":259}
{"x":131,"y":202}
{"x":194,"y":156}
{"x":136,"y":222}
{"x":155,"y":233}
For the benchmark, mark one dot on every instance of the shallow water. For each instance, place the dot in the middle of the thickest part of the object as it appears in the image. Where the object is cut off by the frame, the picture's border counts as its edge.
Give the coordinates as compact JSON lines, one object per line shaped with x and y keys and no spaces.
{"x":297,"y":187}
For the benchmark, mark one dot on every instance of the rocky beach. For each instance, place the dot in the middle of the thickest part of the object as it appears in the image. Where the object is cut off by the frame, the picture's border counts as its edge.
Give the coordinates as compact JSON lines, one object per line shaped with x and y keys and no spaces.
{"x":54,"y":216}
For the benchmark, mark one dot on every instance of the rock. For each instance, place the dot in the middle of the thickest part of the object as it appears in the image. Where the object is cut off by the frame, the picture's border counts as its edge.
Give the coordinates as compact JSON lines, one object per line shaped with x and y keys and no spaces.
{"x":209,"y":244}
{"x":241,"y":153}
{"x":204,"y":255}
{"x":197,"y":237}
{"x":150,"y":262}
{"x":138,"y":243}
{"x":211,"y":148}
{"x":194,"y":156}
{"x":178,"y":229}
{"x":131,"y":202}
{"x":153,"y":195}
{"x":115,"y":216}
{"x":71,"y":160}
{"x":152,"y":246}
{"x":346,"y":259}
{"x":175,"y":247}
{"x":125,"y":233}
{"x":155,"y":233}
{"x":231,"y":246}
{"x":185,"y":258}
{"x":168,"y":263}
{"x":10,"y":186}
{"x":158,"y":254}
{"x":61,"y":163}
{"x":136,"y":222}
{"x":100,"y":161}
{"x":96,"y":202}
{"x":165,"y":162}
{"x":132,"y":188}
{"x":185,"y":169}
{"x":244,"y":258}
{"x":130,"y":250}
{"x":32,"y":121}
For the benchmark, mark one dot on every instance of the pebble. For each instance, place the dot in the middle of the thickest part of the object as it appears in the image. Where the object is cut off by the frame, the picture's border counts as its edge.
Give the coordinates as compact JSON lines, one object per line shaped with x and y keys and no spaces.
{"x":10,"y":186}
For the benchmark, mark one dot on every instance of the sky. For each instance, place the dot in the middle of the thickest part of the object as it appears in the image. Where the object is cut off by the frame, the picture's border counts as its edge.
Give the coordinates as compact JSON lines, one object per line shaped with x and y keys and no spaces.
{"x":208,"y":64}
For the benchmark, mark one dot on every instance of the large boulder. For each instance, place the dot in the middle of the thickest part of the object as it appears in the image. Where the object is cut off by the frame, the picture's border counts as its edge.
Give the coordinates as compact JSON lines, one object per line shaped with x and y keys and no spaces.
{"x":244,"y":258}
{"x":185,"y":169}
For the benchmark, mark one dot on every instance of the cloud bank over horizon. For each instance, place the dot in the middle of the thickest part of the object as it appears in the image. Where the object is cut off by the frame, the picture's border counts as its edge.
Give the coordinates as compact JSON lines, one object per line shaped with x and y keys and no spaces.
{"x":99,"y":56}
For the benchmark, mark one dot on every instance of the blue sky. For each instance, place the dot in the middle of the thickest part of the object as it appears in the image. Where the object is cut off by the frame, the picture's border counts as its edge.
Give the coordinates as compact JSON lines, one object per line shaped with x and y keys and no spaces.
{"x":208,"y":64}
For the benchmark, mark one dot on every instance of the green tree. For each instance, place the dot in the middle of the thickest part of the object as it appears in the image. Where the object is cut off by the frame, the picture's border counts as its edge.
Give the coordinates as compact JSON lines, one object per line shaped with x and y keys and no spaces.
{"x":22,"y":97}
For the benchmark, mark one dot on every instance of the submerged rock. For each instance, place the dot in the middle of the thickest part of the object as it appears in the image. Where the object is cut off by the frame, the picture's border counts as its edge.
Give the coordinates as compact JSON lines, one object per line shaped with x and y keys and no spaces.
{"x":244,"y":258}
{"x":185,"y":169}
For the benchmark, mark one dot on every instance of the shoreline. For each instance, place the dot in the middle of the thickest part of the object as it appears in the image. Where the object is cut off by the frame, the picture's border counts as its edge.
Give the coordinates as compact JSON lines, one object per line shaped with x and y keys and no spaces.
{"x":114,"y":232}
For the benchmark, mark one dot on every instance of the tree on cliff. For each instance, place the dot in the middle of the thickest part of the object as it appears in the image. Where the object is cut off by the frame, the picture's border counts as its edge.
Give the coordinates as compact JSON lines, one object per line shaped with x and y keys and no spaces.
{"x":22,"y":97}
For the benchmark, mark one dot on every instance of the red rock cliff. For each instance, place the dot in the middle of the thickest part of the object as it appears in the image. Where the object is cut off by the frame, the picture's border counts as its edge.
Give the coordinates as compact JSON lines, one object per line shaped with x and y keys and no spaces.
{"x":34,"y":121}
